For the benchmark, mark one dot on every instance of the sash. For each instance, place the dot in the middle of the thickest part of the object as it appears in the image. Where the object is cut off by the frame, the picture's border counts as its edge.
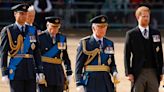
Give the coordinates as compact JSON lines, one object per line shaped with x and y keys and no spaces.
{"x":15,"y":61}
{"x":54,"y":50}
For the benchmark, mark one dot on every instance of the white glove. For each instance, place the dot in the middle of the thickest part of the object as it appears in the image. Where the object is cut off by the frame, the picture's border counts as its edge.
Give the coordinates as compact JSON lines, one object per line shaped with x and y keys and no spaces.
{"x":116,"y":78}
{"x":5,"y":79}
{"x":41,"y":78}
{"x":80,"y":89}
{"x":37,"y":78}
{"x":69,"y":79}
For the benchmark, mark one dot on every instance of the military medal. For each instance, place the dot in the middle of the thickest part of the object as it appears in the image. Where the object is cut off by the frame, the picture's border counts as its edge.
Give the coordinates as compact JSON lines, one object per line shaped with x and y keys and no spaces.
{"x":156,"y":38}
{"x":157,"y":49}
{"x":61,"y":45}
{"x":11,"y":71}
{"x":109,"y":50}
{"x":32,"y":39}
{"x":33,"y":46}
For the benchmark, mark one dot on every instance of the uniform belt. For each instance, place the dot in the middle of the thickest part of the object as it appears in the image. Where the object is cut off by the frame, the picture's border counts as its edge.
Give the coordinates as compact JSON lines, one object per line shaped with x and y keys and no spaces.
{"x":51,"y":60}
{"x":92,"y":68}
{"x":23,"y":56}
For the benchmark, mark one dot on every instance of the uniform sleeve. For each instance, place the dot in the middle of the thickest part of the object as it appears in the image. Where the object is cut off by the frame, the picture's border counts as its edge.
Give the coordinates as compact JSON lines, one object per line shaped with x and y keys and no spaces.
{"x":37,"y":56}
{"x":113,"y":64}
{"x":4,"y":51}
{"x":127,"y":55}
{"x":80,"y":60}
{"x":67,"y":62}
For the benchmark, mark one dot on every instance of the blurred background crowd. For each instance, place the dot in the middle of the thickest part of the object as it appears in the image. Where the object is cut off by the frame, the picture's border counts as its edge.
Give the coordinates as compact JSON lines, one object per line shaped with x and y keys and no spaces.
{"x":77,"y":13}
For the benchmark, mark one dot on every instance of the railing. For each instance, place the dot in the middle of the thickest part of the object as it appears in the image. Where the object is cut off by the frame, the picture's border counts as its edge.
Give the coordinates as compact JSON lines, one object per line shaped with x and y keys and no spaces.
{"x":78,"y":14}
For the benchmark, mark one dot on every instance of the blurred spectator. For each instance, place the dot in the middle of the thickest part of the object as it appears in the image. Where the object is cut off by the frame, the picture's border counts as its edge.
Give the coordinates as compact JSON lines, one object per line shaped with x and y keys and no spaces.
{"x":31,"y":17}
{"x":43,"y":9}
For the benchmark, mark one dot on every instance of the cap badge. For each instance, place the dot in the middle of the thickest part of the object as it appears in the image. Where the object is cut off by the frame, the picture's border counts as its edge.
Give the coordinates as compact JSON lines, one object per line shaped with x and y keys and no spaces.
{"x":56,"y":21}
{"x":102,"y":19}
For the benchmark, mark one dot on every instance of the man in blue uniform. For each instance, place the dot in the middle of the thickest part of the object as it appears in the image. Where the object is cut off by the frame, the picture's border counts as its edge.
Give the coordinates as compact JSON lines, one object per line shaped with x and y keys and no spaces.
{"x":20,"y":46}
{"x":54,"y":54}
{"x":95,"y":60}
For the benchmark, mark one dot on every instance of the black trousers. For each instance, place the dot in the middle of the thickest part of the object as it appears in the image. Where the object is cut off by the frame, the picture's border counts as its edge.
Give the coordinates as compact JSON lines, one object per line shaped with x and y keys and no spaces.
{"x":23,"y":85}
{"x":50,"y":88}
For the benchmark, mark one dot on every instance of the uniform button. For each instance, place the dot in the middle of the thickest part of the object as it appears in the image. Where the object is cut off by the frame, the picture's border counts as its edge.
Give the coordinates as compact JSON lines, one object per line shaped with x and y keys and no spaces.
{"x":15,"y":41}
{"x":46,"y":48}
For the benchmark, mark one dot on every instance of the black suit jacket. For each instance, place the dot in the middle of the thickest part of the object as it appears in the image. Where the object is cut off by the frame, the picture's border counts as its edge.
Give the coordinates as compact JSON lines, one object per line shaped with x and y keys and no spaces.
{"x":134,"y":51}
{"x":26,"y":68}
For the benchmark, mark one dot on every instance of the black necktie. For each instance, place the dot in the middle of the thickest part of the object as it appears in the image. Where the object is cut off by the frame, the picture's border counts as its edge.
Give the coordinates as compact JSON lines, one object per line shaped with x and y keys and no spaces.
{"x":22,"y":31}
{"x":99,"y":42}
{"x":145,"y":32}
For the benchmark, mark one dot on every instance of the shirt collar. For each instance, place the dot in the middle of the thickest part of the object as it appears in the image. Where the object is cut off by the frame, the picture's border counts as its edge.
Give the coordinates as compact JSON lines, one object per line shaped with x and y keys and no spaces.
{"x":19,"y":26}
{"x":28,"y":24}
{"x":51,"y":35}
{"x":142,"y":28}
{"x":97,"y":39}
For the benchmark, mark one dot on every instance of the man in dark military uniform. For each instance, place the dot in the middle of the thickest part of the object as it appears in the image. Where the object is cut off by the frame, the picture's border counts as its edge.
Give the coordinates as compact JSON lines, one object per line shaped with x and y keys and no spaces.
{"x":54,"y":53}
{"x":95,"y":60}
{"x":20,"y":46}
{"x":143,"y":54}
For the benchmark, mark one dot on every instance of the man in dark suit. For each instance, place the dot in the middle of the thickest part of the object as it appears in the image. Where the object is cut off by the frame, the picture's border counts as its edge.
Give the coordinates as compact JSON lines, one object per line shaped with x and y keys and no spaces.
{"x":95,"y":60}
{"x":54,"y":54}
{"x":143,"y":54}
{"x":19,"y":42}
{"x":31,"y":17}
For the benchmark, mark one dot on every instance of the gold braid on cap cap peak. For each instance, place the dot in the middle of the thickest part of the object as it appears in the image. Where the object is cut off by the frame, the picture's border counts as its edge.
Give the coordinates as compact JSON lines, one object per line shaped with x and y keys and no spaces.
{"x":14,"y":48}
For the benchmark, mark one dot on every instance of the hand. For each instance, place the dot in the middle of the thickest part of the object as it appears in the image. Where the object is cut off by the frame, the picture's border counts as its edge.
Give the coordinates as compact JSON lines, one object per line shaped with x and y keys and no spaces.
{"x":5,"y":79}
{"x":80,"y":89}
{"x":130,"y":77}
{"x":161,"y":77}
{"x":69,"y":77}
{"x":116,"y":78}
{"x":41,"y":79}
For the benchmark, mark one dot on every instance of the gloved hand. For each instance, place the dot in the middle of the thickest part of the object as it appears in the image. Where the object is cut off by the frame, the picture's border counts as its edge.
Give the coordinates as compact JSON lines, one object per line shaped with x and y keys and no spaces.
{"x":80,"y":88}
{"x":116,"y":78}
{"x":69,"y":77}
{"x":5,"y":79}
{"x":40,"y":78}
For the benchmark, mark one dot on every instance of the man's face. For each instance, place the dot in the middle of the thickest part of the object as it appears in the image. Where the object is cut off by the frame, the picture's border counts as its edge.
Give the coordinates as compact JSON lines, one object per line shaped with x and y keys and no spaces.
{"x":20,"y":17}
{"x":30,"y":17}
{"x":53,"y":29}
{"x":144,"y":18}
{"x":100,"y":30}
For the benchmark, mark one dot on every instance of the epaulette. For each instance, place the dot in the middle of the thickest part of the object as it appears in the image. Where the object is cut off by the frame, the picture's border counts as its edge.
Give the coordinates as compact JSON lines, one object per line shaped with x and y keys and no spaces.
{"x":108,"y":39}
{"x":41,"y":33}
{"x":85,"y":38}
